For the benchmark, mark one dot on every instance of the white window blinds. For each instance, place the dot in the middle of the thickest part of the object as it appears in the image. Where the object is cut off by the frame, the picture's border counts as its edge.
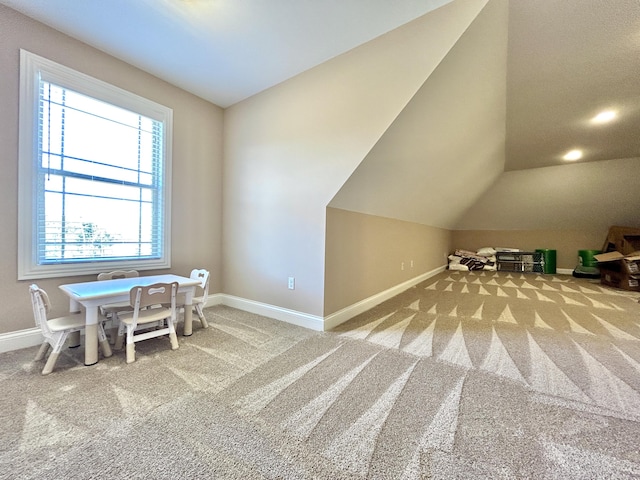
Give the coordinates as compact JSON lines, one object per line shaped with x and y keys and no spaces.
{"x":94,"y":176}
{"x":100,"y":177}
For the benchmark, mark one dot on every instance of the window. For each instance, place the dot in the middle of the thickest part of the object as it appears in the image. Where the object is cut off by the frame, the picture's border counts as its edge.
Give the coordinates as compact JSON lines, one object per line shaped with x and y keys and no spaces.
{"x":94,"y":175}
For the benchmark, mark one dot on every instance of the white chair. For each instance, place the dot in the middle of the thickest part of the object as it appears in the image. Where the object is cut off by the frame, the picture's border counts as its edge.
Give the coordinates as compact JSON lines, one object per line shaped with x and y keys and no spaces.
{"x":149,"y":309}
{"x":109,"y":311}
{"x":56,"y":330}
{"x":200,"y":300}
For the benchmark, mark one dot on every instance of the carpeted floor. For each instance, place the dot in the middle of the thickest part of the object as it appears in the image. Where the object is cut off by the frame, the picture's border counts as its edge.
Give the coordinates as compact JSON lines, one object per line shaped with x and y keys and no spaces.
{"x":467,"y":375}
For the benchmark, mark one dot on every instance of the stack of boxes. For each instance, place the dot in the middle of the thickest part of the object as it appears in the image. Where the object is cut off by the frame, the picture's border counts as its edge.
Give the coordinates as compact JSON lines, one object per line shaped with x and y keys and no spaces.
{"x":620,"y":261}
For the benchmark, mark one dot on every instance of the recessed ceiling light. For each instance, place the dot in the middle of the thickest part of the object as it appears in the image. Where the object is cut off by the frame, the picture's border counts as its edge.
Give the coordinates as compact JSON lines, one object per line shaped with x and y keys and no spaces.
{"x":573,"y":155}
{"x":604,"y":116}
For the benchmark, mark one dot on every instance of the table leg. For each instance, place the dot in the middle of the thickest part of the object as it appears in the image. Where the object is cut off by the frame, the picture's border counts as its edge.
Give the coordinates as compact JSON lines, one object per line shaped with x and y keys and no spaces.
{"x":91,"y":336}
{"x":74,"y":337}
{"x":188,"y":314}
{"x":188,"y":320}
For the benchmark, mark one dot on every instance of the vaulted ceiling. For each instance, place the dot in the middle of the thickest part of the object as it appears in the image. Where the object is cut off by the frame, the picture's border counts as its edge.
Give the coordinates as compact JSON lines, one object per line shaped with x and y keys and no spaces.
{"x":517,"y":99}
{"x":567,"y":59}
{"x":224,"y":50}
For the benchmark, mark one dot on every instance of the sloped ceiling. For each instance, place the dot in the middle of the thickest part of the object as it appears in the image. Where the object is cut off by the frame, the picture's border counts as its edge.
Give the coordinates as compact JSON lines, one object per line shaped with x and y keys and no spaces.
{"x":565,"y":61}
{"x":499,"y":103}
{"x":224,"y":50}
{"x":577,"y":59}
{"x":588,"y":196}
{"x":447,"y":146}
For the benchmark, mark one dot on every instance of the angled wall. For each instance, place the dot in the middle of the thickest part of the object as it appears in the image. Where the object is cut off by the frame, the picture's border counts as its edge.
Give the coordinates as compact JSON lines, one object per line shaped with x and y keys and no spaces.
{"x":567,"y":60}
{"x":447,"y":146}
{"x":581,"y":196}
{"x":553,"y":205}
{"x":289,"y":149}
{"x":390,"y":223}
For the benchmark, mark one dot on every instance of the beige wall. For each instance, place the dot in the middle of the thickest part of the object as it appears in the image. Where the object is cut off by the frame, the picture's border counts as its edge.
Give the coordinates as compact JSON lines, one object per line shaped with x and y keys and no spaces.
{"x":447,"y":146}
{"x":289,"y":149}
{"x":565,"y":208}
{"x":367,"y":254}
{"x":565,"y":242}
{"x":588,"y":197}
{"x":197,"y":160}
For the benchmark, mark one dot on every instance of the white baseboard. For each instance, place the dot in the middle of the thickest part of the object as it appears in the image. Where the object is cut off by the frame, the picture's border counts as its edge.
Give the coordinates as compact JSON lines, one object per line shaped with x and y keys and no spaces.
{"x":347,"y":313}
{"x":20,"y":339}
{"x":295,"y":317}
{"x":315,"y":322}
{"x":215,"y":299}
{"x":564,"y":271}
{"x":31,"y":337}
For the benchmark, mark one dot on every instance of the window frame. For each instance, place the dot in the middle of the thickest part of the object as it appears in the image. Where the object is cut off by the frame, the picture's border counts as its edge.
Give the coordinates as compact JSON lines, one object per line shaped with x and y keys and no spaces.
{"x":33,"y":68}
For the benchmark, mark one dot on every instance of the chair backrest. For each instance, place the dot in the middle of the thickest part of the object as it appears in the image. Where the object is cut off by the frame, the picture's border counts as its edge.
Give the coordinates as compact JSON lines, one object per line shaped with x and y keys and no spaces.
{"x":203,"y":276}
{"x":156,"y":294}
{"x":41,"y":306}
{"x":118,"y":274}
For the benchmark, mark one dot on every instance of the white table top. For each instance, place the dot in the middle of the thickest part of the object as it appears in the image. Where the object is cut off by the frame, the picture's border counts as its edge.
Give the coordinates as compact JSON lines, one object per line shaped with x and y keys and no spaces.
{"x":109,"y":288}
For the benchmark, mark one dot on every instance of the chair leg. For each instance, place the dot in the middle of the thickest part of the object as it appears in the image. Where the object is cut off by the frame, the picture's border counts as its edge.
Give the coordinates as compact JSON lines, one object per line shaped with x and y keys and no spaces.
{"x":51,"y":361}
{"x":131,"y":346}
{"x":56,"y":347}
{"x":172,"y":334}
{"x":131,"y":352}
{"x":113,"y":333}
{"x":119,"y":337}
{"x":44,"y":348}
{"x":104,"y":343}
{"x":201,"y":316}
{"x":174,"y":340}
{"x":106,"y":348}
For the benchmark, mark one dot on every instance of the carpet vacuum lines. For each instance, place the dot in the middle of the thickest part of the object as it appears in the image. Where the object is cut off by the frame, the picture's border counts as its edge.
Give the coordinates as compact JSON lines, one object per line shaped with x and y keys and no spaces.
{"x":254,"y":402}
{"x":352,"y":450}
{"x":302,"y":422}
{"x":439,"y":434}
{"x":475,"y":390}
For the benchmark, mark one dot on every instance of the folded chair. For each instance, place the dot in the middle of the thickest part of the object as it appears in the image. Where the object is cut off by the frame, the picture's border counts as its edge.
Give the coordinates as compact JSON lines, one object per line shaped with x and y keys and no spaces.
{"x":151,"y":306}
{"x":109,"y":311}
{"x":56,"y":330}
{"x":200,"y":300}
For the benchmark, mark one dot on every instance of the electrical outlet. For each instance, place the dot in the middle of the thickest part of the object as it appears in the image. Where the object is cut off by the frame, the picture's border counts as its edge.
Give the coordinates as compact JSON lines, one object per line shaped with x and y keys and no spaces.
{"x":292,"y":283}
{"x":402,"y":266}
{"x":411,"y":263}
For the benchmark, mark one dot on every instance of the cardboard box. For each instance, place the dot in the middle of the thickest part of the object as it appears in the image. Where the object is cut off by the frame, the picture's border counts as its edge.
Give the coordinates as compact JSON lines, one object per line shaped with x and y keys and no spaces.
{"x":620,"y":271}
{"x":620,"y":280}
{"x":625,"y":240}
{"x":612,"y":256}
{"x":619,"y":265}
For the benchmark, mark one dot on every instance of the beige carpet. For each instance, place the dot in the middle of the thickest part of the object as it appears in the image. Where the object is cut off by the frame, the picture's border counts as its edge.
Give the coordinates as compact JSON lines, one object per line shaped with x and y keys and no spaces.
{"x":467,"y":375}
